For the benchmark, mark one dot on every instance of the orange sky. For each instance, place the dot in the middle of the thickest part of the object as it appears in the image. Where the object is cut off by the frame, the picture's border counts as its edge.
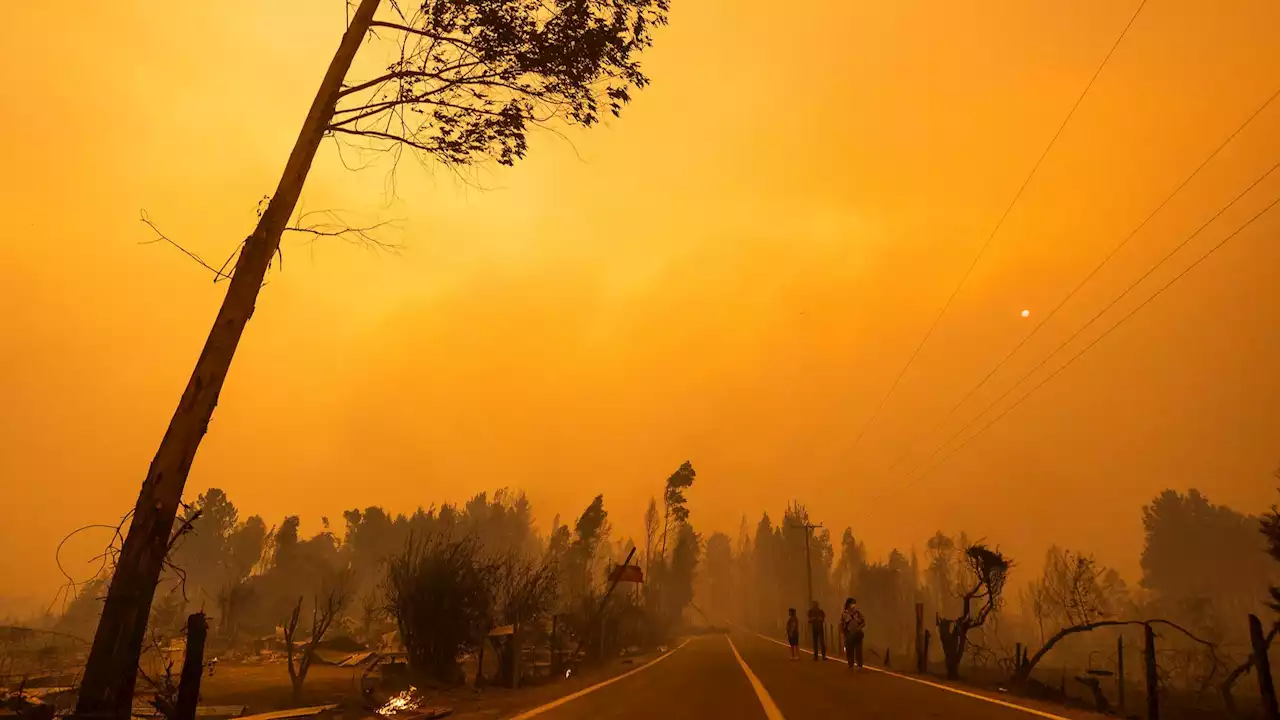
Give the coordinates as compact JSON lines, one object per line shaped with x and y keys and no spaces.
{"x":731,"y":274}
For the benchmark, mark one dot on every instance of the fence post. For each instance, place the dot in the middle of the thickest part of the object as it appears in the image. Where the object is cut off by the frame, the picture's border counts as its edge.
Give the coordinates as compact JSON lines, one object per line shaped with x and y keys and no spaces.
{"x":920,"y":665}
{"x":1153,"y":680}
{"x":517,"y":651}
{"x":555,"y":655}
{"x":1262,"y":666}
{"x":1120,"y":674}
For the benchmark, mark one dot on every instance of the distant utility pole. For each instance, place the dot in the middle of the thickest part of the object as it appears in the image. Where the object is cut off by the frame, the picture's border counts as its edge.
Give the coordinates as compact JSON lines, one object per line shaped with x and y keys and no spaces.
{"x":808,"y":562}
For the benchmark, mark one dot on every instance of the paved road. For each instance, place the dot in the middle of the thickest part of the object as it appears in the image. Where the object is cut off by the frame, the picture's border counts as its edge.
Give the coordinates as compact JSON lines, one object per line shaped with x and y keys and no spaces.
{"x":742,"y":675}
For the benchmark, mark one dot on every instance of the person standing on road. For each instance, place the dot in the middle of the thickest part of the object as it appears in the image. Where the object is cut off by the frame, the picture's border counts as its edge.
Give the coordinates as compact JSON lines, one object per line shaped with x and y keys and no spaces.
{"x":817,"y":624}
{"x":852,"y":624}
{"x":793,"y":633}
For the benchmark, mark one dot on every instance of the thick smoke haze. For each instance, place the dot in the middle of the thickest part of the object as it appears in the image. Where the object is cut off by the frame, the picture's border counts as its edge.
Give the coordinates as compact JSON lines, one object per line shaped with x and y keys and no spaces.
{"x":732,"y":275}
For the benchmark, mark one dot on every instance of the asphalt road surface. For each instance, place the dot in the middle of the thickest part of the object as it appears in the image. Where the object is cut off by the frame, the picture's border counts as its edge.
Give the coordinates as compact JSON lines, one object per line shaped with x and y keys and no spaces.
{"x":742,"y":675}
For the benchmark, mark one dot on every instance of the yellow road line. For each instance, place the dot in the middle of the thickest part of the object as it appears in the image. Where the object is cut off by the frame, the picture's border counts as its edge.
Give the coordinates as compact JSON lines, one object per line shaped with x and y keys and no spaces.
{"x":557,"y":703}
{"x":948,"y":688}
{"x":771,"y":710}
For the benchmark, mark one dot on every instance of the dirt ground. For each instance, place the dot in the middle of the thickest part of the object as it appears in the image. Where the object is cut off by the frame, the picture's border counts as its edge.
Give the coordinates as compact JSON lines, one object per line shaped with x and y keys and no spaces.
{"x":266,"y":687}
{"x":263,"y":688}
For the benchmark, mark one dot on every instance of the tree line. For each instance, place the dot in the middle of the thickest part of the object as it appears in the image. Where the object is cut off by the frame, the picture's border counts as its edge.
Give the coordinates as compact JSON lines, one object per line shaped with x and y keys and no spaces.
{"x":443,"y":576}
{"x":439,"y":579}
{"x":1204,"y":568}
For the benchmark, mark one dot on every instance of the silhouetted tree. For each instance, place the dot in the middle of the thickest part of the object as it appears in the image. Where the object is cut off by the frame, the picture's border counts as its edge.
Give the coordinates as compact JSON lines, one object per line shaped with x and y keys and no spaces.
{"x":1271,"y":531}
{"x":470,"y":80}
{"x":940,"y":575}
{"x":677,"y":588}
{"x":988,"y":570}
{"x":768,"y":556}
{"x":1077,"y":590}
{"x":590,"y":530}
{"x":202,"y":553}
{"x":326,"y":607}
{"x":439,"y":590}
{"x":558,"y":543}
{"x":673,"y":499}
{"x":853,"y":561}
{"x":650,"y":534}
{"x":525,"y":591}
{"x":245,"y":548}
{"x":715,"y":587}
{"x":503,"y":524}
{"x":1206,"y":563}
{"x":81,"y":614}
{"x":886,"y":592}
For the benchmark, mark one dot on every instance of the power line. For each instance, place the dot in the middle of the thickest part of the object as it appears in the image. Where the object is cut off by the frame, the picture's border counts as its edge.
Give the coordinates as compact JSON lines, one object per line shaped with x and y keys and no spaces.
{"x":1101,"y":312}
{"x":987,"y":243}
{"x":1108,"y":331}
{"x":1090,"y":276}
{"x":916,"y":478}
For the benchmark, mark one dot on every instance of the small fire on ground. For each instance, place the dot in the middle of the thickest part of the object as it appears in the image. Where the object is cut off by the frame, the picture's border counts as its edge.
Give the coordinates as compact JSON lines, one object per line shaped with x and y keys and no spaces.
{"x":401,"y":702}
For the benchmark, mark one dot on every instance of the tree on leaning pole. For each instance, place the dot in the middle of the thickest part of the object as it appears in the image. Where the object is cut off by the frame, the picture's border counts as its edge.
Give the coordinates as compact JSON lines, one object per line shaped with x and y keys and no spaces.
{"x":470,"y":78}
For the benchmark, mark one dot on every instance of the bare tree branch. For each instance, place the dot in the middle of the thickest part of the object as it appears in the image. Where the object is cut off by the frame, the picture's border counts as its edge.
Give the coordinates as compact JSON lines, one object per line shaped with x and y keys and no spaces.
{"x":218,"y":273}
{"x":1025,"y":671}
{"x":337,"y":228}
{"x":422,"y":33}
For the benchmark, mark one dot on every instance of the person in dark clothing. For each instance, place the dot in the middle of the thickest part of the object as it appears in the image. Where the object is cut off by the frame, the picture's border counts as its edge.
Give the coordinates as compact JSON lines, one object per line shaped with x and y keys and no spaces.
{"x":852,"y":624}
{"x":817,"y":623}
{"x":793,"y":633}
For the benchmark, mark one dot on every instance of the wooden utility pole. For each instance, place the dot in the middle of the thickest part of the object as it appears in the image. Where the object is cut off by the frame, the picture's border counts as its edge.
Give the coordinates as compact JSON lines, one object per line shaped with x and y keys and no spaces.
{"x":808,"y":561}
{"x":1153,"y":679}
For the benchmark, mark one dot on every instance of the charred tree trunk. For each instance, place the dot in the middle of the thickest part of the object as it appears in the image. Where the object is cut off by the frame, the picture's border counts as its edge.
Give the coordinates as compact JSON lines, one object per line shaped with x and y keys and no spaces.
{"x":1228,"y":699}
{"x":1024,"y":670}
{"x":111,"y":670}
{"x":192,"y":668}
{"x":1262,"y":666}
{"x":951,"y":636}
{"x":921,"y":666}
{"x":1095,"y":690}
{"x":1120,"y":674}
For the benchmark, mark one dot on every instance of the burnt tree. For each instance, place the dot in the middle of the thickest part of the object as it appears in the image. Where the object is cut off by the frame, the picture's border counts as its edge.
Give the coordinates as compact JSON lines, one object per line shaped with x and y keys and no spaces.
{"x":1023,"y":671}
{"x":988,"y":570}
{"x":325,"y":609}
{"x":1262,"y":666}
{"x":192,"y":667}
{"x":1244,"y":668}
{"x":471,"y":79}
